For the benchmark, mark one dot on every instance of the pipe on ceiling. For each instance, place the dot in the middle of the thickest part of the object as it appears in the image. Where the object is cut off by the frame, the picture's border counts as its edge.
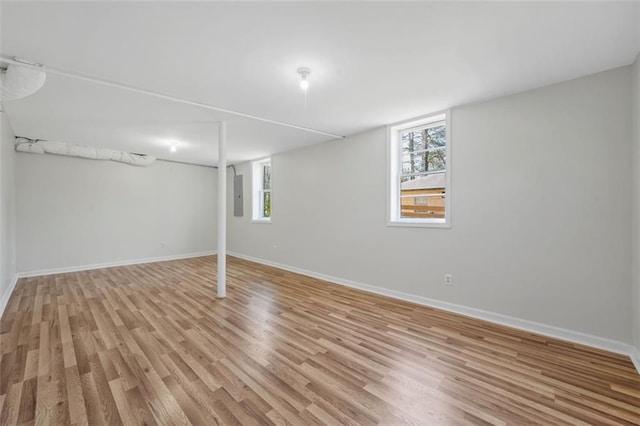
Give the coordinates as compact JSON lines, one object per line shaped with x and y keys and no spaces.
{"x":36,"y":146}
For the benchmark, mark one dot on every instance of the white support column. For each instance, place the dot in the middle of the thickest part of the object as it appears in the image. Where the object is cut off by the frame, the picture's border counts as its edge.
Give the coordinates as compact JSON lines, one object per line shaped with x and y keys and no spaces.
{"x":222,"y":209}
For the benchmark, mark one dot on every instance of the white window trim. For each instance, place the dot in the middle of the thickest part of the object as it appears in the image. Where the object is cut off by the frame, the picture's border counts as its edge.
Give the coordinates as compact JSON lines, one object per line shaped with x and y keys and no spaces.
{"x":393,"y":173}
{"x":256,"y":189}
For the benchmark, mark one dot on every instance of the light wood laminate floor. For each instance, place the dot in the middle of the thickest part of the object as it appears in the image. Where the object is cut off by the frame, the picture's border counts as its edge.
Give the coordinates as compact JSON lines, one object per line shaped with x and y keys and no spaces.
{"x":149,"y":344}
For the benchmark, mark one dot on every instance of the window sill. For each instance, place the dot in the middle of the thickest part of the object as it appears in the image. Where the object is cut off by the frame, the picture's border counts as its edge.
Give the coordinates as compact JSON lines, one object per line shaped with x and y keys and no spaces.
{"x":261,"y":220}
{"x":433,"y":223}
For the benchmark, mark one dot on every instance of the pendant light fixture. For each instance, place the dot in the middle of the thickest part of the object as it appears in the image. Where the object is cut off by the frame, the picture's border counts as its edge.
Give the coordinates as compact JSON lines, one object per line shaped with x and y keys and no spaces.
{"x":304,"y":73}
{"x":18,"y":82}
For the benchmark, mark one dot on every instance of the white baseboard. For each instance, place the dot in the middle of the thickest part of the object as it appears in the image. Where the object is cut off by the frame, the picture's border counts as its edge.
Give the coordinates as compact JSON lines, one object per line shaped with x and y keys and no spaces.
{"x":635,"y":358}
{"x":112,"y":264}
{"x":4,"y":300}
{"x":521,"y":324}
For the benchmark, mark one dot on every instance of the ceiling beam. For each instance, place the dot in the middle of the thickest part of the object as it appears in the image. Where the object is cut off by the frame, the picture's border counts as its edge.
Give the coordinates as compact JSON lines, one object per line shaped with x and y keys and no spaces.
{"x":83,"y":77}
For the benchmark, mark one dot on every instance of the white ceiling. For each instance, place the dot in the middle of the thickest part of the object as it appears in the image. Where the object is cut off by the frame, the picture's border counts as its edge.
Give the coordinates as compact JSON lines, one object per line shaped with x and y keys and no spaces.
{"x":372,"y":64}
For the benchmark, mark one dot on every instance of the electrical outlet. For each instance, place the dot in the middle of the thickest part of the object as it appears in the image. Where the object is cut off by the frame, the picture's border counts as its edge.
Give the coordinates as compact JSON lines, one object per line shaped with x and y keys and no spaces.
{"x":448,"y":279}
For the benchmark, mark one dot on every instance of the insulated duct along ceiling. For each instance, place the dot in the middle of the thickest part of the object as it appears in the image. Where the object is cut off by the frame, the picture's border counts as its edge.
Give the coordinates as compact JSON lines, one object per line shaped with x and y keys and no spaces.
{"x":36,"y":146}
{"x":18,"y":82}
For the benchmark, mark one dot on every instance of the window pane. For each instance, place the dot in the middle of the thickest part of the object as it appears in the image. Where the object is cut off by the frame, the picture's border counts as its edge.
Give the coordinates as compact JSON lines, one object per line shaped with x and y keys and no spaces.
{"x":266,"y":204}
{"x":424,"y":162}
{"x":423,"y":197}
{"x":266,"y":176}
{"x":437,"y":159}
{"x":416,"y":140}
{"x":412,"y":141}
{"x":435,"y":136}
{"x":414,"y":163}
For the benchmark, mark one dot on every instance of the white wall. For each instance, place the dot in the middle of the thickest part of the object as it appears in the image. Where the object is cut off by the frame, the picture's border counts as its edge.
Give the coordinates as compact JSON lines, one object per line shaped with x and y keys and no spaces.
{"x":540,"y":218}
{"x":7,"y":210}
{"x":636,"y":205}
{"x":75,"y":212}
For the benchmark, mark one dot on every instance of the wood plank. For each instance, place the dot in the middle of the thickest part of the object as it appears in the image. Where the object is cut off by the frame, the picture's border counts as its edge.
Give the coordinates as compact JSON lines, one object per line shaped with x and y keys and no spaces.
{"x":422,"y":215}
{"x":423,"y":208}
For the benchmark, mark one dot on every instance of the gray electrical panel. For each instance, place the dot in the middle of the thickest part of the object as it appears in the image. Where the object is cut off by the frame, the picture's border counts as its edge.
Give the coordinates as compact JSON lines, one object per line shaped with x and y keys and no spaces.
{"x":237,"y":196}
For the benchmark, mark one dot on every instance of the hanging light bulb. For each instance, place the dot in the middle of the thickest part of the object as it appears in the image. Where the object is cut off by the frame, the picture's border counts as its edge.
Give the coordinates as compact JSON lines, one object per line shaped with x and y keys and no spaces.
{"x":304,"y":82}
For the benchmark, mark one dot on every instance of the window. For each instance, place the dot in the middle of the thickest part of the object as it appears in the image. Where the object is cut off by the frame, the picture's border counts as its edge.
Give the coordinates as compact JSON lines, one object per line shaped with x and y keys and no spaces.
{"x":262,"y":190}
{"x":419,"y":161}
